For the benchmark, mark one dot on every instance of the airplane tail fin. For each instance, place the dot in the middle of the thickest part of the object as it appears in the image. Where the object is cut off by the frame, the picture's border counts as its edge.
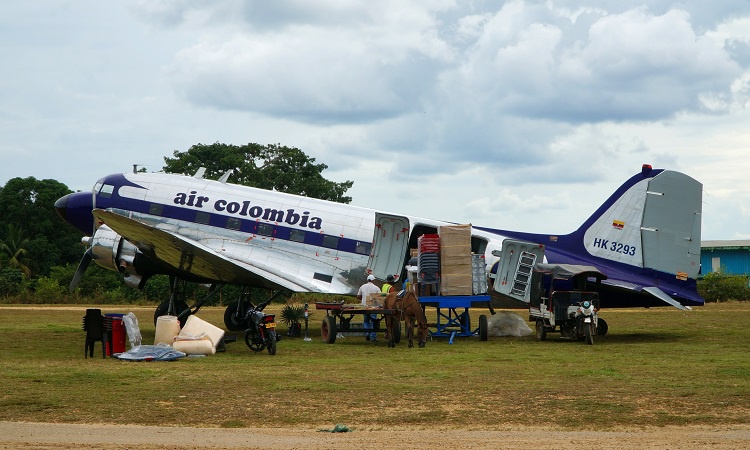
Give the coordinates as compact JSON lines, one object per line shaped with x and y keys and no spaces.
{"x":653,"y":221}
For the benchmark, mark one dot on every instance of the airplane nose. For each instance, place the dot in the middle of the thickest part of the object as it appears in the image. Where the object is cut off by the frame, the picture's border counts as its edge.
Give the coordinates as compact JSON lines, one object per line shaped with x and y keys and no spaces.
{"x":61,"y":205}
{"x":75,"y":209}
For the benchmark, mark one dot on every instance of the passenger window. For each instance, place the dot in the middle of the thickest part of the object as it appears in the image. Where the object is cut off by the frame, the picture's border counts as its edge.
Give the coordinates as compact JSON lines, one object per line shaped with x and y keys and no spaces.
{"x":202,"y":218}
{"x":330,"y":242}
{"x":363,"y":248}
{"x":297,"y":236}
{"x":233,"y":223}
{"x":155,"y":209}
{"x":265,"y":229}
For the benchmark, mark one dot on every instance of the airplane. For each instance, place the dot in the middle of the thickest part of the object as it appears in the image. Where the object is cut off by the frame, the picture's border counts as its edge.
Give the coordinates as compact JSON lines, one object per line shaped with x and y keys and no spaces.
{"x":645,"y":238}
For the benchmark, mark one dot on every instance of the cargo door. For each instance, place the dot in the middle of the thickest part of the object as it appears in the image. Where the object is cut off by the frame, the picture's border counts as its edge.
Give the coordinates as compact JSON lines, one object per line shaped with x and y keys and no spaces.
{"x":390,"y":243}
{"x":517,"y":259}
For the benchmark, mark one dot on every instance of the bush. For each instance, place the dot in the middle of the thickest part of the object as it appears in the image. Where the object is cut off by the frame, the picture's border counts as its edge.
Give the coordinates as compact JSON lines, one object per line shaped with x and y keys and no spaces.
{"x":717,"y":287}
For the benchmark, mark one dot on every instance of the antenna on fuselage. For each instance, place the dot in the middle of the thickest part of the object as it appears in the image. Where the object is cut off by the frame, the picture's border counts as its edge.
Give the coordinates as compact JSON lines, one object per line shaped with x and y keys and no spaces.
{"x":135,"y":167}
{"x":226,"y":175}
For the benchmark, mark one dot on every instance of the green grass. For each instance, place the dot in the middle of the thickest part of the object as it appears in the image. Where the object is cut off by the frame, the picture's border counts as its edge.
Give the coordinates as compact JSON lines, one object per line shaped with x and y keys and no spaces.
{"x":655,"y":367}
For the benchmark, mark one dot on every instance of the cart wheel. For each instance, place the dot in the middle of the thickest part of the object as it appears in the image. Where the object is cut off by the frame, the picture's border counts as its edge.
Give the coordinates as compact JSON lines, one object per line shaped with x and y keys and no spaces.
{"x":483,"y":327}
{"x":601,"y":327}
{"x":541,"y":332}
{"x":465,"y":320}
{"x":397,"y":333}
{"x":328,"y":329}
{"x":588,"y":330}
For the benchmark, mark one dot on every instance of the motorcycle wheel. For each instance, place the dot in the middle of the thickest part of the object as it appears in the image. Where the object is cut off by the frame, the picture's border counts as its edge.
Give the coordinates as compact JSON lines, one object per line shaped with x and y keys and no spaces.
{"x":271,"y":342}
{"x":588,"y":330}
{"x":254,"y":346}
{"x":541,"y":332}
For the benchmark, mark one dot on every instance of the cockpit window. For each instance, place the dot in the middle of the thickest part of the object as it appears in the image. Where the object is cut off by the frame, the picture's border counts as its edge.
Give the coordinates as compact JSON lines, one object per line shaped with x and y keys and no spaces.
{"x":106,"y":190}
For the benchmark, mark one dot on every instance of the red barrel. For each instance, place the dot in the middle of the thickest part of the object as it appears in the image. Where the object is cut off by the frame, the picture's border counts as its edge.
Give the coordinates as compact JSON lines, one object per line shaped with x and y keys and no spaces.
{"x":118,"y":335}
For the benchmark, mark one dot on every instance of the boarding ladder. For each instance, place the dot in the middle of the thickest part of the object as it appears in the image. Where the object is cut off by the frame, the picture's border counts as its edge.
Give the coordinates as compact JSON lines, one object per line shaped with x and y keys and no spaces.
{"x":522,"y":278}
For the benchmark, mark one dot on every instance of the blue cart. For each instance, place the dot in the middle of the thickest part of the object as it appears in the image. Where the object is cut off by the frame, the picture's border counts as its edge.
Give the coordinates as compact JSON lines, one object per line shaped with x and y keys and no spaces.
{"x":451,"y":323}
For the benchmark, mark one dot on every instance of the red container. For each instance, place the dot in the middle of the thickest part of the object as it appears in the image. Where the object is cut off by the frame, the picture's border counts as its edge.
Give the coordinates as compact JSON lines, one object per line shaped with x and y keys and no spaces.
{"x":118,"y":335}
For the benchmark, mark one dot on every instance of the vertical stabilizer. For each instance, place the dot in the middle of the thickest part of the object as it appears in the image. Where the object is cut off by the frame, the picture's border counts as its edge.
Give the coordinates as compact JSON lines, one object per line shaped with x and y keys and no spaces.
{"x":652,"y":222}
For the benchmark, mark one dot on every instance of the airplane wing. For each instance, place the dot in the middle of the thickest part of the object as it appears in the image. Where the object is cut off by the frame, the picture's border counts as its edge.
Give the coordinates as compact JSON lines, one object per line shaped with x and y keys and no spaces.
{"x":189,"y":256}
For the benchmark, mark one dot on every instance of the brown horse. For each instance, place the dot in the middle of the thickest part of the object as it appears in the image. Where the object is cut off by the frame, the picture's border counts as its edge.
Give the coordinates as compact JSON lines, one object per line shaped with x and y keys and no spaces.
{"x":405,"y":306}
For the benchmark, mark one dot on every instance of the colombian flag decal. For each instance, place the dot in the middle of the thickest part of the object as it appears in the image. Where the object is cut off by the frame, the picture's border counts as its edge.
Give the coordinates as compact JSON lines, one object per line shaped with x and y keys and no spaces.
{"x":619,"y":224}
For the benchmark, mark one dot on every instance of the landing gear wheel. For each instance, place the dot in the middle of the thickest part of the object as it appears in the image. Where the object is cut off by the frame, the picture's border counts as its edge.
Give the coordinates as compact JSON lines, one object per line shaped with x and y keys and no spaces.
{"x":541,"y":332}
{"x":271,"y":342}
{"x":397,"y":333}
{"x":328,"y":329}
{"x":254,"y":346}
{"x":601,"y":327}
{"x":179,"y":307}
{"x":483,"y":327}
{"x":233,"y":318}
{"x":588,"y":330}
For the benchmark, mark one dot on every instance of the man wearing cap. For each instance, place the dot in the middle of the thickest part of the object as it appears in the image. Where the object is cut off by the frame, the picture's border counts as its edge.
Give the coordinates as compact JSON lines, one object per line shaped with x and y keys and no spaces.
{"x":365,"y":290}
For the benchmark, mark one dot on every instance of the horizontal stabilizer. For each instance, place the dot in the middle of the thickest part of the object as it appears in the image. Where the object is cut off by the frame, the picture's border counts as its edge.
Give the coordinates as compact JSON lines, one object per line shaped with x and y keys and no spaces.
{"x":661,"y":295}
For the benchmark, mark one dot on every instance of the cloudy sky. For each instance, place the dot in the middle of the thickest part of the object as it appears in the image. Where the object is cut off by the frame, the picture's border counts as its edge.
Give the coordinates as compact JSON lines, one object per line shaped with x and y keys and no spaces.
{"x":511,"y":114}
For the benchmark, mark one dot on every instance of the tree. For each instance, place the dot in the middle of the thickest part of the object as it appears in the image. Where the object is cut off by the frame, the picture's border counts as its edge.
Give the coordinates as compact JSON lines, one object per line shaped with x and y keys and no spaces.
{"x":13,"y":250}
{"x":273,"y":166}
{"x":28,"y":203}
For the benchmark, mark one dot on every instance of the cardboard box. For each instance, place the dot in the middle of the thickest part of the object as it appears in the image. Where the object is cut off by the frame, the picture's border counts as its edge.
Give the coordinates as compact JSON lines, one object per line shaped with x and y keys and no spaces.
{"x":375,"y":299}
{"x":456,"y":283}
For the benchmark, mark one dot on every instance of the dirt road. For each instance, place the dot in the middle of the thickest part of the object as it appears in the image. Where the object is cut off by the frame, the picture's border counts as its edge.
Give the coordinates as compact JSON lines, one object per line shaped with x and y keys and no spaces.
{"x":14,"y":435}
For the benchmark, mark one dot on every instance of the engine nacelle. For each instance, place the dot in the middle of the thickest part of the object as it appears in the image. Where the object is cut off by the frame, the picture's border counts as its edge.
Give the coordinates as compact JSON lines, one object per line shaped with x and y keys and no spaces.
{"x":111,"y":251}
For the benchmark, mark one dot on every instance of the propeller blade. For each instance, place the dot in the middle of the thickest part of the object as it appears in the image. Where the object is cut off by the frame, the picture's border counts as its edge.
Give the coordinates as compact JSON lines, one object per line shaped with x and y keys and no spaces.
{"x":87,"y":257}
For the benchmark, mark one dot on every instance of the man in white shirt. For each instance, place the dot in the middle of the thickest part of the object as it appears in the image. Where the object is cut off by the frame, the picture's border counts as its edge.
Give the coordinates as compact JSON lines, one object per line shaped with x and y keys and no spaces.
{"x":365,"y":290}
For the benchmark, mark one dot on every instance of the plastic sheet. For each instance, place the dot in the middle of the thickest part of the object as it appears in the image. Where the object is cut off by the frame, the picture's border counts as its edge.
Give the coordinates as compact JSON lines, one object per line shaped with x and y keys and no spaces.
{"x":131,"y":327}
{"x":507,"y":324}
{"x":159,"y":352}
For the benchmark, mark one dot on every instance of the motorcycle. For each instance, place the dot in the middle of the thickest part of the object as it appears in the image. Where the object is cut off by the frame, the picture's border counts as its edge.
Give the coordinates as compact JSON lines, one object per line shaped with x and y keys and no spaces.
{"x":586,"y":321}
{"x":261,"y":331}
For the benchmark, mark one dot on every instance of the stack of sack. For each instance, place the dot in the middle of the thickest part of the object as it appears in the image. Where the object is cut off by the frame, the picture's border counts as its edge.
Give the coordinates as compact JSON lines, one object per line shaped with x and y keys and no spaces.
{"x":197,"y":337}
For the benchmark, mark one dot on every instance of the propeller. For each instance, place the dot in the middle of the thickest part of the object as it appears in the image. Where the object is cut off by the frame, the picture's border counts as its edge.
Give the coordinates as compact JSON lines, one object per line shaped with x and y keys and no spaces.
{"x":82,"y":266}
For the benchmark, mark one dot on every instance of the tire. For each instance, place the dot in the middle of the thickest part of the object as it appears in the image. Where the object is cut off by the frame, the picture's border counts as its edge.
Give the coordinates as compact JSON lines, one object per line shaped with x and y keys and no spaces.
{"x":588,"y":331}
{"x":465,"y":322}
{"x":328,"y":329}
{"x":541,"y":332}
{"x":601,"y":327}
{"x":483,"y":327}
{"x":271,"y":342}
{"x":256,"y":347}
{"x":232,"y":320}
{"x":179,"y":307}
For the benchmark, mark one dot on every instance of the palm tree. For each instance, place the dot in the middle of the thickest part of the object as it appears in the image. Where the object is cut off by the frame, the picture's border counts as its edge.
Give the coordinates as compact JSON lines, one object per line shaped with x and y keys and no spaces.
{"x":13,"y":248}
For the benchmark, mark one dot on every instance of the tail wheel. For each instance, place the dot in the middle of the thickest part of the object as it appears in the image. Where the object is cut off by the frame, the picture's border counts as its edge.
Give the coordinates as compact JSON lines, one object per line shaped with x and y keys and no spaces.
{"x":483,"y":327}
{"x":328,"y":329}
{"x":541,"y":332}
{"x":271,"y":342}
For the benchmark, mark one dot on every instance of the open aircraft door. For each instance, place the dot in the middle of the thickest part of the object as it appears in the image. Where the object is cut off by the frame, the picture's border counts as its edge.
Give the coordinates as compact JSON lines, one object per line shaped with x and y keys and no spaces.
{"x":517,"y":259}
{"x":389,"y":245}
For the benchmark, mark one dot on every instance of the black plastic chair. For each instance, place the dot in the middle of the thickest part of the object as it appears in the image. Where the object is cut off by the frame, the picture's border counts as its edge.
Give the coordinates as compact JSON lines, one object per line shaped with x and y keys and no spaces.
{"x":93,"y":325}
